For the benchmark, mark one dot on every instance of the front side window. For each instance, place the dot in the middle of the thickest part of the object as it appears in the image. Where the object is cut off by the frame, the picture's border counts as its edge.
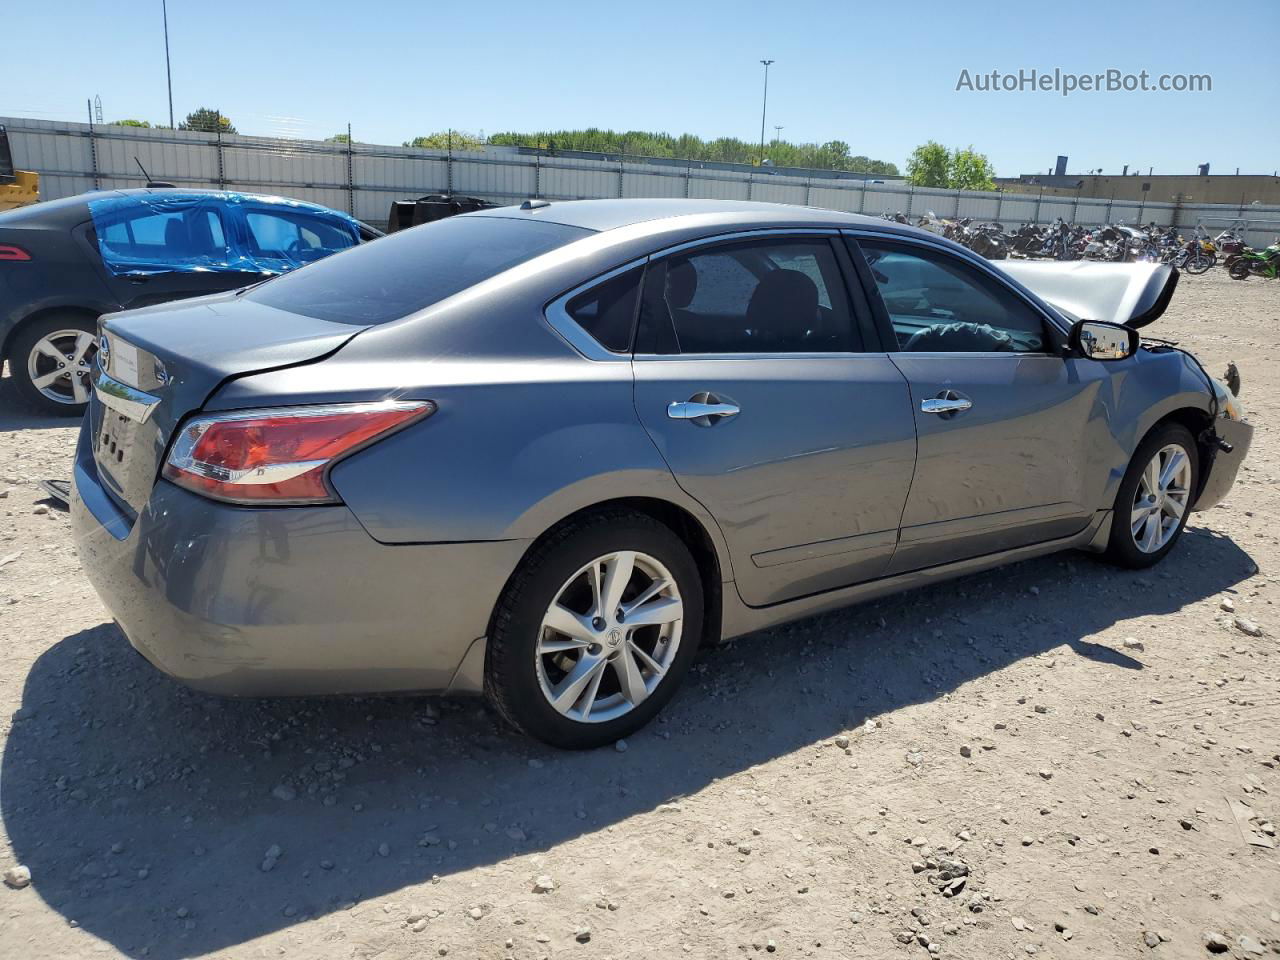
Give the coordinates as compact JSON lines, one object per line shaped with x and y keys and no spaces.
{"x":761,"y":296}
{"x":939,"y":303}
{"x":296,"y":237}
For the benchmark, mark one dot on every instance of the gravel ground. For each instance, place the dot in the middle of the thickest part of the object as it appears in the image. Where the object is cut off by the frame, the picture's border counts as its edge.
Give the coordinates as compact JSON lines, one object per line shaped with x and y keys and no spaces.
{"x":1058,"y":758}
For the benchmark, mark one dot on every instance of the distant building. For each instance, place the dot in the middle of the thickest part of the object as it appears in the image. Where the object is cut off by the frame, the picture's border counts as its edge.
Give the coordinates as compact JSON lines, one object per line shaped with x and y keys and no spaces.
{"x":1235,"y":189}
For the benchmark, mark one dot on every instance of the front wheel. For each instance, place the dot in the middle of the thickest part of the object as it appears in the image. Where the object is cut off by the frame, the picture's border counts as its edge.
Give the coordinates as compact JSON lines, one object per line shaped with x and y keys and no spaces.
{"x":595,"y":630}
{"x":1240,"y":270}
{"x":1198,"y":263}
{"x":1155,"y":497}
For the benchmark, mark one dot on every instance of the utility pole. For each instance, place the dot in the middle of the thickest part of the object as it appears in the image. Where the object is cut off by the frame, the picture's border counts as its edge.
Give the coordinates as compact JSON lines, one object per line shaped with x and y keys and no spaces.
{"x":777,"y":132}
{"x":168,"y":73}
{"x":764,"y":106}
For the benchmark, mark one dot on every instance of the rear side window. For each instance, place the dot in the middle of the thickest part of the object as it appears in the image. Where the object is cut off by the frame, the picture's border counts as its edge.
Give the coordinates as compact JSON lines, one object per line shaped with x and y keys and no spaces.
{"x":412,"y":269}
{"x":145,"y":236}
{"x":768,"y":296}
{"x":607,"y":311}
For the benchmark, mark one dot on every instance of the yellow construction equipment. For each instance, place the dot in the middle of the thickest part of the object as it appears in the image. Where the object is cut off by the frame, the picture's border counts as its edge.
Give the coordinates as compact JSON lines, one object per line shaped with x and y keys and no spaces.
{"x":17,"y":187}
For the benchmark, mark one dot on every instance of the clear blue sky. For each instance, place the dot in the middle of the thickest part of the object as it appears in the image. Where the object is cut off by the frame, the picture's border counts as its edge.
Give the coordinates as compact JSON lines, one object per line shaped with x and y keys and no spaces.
{"x":881,"y":77}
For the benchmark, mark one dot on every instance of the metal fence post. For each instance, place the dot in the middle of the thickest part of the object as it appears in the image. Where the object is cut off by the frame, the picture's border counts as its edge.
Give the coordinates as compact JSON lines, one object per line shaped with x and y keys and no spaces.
{"x":351,"y":183}
{"x":688,"y":179}
{"x":620,"y":178}
{"x":93,"y":148}
{"x":751,"y":185}
{"x":222,"y":180}
{"x":1039,"y":200}
{"x":537,"y":175}
{"x":808,"y":190}
{"x":448,"y":166}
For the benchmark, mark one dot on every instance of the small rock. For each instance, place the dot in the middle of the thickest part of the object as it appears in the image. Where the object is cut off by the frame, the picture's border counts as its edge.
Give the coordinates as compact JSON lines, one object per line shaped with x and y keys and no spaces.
{"x":1151,"y":939}
{"x":475,"y":913}
{"x":1040,"y":708}
{"x":1215,"y":942}
{"x":842,"y":742}
{"x":966,"y":751}
{"x":1046,"y":774}
{"x":621,"y":747}
{"x":284,"y":792}
{"x":40,"y":510}
{"x":1249,"y":945}
{"x":384,"y":850}
{"x":583,"y":934}
{"x":544,"y":884}
{"x":1228,"y":605}
{"x":1248,"y":627}
{"x":1133,"y":643}
{"x":1019,"y":924}
{"x":18,"y":877}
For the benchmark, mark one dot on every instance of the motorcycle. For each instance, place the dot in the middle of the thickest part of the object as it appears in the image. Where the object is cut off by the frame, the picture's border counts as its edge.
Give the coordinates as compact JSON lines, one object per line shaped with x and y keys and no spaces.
{"x":988,"y":240}
{"x":1257,"y":263}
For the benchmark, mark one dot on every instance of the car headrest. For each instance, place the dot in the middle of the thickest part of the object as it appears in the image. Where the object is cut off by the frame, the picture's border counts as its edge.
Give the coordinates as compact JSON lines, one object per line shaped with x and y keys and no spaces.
{"x":783,"y":300}
{"x":682,"y":284}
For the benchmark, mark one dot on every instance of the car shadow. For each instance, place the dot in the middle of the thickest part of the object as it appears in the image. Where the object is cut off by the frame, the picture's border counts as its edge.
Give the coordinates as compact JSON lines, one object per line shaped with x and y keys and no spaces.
{"x":146,"y":812}
{"x":15,"y":416}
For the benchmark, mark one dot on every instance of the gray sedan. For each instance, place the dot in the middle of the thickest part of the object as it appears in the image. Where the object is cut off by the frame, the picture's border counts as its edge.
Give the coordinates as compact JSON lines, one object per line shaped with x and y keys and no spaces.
{"x":546,"y":452}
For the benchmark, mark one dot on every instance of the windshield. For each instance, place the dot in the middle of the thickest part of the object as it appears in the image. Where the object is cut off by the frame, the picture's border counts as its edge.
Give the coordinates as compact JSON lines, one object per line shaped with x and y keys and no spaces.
{"x":407,"y":271}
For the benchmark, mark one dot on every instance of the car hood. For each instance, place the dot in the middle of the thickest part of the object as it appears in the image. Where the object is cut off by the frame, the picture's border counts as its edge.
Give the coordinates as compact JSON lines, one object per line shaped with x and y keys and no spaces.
{"x":1134,"y":294}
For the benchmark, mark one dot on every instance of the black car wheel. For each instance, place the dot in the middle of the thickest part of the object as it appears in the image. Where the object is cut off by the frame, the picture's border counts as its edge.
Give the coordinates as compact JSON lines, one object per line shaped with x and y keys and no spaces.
{"x":51,"y":361}
{"x":595,"y":630}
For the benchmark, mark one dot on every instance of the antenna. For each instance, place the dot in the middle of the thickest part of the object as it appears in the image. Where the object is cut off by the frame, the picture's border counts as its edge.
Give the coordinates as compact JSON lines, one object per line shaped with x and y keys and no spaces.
{"x":146,"y":176}
{"x":97,"y":108}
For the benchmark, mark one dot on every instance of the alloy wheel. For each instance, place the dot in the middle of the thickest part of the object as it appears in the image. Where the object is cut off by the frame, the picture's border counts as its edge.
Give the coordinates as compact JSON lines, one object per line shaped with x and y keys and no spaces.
{"x":60,"y":363}
{"x":609,"y":636}
{"x":1162,"y":497}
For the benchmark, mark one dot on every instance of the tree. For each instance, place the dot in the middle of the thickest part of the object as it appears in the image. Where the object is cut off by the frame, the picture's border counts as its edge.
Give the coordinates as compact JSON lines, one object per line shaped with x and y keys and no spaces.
{"x":971,"y":170}
{"x":205,"y":120}
{"x":933,"y":165}
{"x":338,"y":138}
{"x":455,"y":139}
{"x":130,"y":123}
{"x":929,"y":165}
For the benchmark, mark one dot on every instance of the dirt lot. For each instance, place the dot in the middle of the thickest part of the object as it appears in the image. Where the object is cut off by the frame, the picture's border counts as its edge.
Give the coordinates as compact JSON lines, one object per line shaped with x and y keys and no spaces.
{"x":1090,"y":755}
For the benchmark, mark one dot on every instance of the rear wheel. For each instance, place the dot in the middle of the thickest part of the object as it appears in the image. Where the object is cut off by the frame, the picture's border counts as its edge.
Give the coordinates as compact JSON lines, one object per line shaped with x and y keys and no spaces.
{"x":595,"y":631}
{"x":1239,"y":270}
{"x":51,"y":361}
{"x":1155,"y":497}
{"x":1198,"y":263}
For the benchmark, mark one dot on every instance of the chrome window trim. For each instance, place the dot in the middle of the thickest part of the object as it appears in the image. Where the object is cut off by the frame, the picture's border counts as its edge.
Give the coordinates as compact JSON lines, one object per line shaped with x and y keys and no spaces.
{"x":967,"y":256}
{"x":557,"y":316}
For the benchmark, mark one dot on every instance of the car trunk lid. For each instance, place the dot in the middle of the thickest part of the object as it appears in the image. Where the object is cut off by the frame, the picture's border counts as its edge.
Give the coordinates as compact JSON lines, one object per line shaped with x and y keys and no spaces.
{"x":159,"y":364}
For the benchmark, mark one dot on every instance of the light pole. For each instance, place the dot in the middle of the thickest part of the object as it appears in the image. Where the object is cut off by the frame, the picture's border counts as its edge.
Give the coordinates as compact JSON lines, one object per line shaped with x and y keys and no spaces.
{"x":168,"y":74}
{"x":764,"y":106}
{"x":777,"y":132}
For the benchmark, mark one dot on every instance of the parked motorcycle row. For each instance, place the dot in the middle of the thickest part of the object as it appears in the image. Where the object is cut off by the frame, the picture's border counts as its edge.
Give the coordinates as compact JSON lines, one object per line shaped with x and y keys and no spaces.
{"x":1114,"y":242}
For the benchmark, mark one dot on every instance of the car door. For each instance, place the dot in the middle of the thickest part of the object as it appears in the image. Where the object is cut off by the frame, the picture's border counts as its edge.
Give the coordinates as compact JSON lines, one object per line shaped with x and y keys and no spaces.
{"x":757,"y":377}
{"x":168,"y":247}
{"x":1005,"y":424}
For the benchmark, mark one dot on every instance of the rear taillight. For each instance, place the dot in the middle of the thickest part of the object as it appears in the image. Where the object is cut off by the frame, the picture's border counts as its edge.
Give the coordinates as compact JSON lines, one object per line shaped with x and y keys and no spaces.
{"x":10,"y":251}
{"x":283,"y":455}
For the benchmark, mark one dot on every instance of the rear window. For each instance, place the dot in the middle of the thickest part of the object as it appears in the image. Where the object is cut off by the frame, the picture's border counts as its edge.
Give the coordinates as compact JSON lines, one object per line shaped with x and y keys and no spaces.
{"x":407,"y":271}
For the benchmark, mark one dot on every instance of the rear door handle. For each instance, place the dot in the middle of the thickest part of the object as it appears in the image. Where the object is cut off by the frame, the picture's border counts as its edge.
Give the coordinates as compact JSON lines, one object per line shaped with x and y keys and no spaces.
{"x":946,"y":403}
{"x":693,"y":409}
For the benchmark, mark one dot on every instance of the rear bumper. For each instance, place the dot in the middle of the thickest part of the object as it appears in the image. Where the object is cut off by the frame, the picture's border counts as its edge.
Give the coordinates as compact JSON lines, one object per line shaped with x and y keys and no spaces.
{"x":283,"y":601}
{"x":1222,"y":471}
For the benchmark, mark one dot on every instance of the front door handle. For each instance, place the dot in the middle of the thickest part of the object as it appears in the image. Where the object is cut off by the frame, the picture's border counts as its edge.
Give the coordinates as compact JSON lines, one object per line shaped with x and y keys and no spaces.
{"x":947,"y":403}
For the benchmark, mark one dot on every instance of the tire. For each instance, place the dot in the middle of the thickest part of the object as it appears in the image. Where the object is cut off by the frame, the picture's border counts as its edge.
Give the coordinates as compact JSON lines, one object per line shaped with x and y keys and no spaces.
{"x":1240,"y":270}
{"x":61,"y":396}
{"x":1132,"y":548}
{"x":522,"y":676}
{"x":1197,"y":263}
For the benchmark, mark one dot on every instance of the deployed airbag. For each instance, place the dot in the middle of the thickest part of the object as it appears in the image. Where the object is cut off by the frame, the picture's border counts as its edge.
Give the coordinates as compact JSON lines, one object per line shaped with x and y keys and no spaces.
{"x":1134,"y":294}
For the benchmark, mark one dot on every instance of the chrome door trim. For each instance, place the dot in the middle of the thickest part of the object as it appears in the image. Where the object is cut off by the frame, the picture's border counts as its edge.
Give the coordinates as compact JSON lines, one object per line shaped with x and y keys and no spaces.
{"x":122,"y":398}
{"x":692,"y":409}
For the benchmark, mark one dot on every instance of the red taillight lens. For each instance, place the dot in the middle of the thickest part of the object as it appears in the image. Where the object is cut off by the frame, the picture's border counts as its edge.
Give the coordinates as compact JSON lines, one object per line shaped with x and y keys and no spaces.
{"x":280,"y":456}
{"x":9,"y":251}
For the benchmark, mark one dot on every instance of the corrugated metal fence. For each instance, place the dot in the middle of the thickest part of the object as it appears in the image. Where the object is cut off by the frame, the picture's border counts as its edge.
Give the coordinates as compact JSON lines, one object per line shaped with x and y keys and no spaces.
{"x":364,"y":178}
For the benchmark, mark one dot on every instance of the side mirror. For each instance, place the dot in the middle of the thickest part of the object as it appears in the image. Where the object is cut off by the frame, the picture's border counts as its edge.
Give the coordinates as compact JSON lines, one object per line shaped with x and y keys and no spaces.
{"x":1099,"y":340}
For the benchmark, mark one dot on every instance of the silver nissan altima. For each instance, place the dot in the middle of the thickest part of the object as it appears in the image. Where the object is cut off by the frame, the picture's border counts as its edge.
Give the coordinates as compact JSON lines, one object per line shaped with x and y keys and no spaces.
{"x":546,"y":452}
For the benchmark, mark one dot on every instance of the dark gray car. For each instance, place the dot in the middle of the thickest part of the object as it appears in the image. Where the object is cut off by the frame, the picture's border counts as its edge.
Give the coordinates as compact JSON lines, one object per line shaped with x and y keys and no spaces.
{"x":546,"y":452}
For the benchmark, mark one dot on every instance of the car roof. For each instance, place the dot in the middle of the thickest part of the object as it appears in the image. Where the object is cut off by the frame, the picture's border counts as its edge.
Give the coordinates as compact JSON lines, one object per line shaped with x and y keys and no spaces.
{"x":602,"y":215}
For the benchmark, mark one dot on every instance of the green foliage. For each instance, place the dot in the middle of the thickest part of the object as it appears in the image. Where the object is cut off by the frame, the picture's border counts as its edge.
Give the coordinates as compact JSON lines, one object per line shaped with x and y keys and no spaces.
{"x":338,"y":138}
{"x":130,"y":123}
{"x":833,"y":155}
{"x":971,"y":170}
{"x":456,"y":140}
{"x":932,"y":165}
{"x":206,"y":121}
{"x":929,"y":165}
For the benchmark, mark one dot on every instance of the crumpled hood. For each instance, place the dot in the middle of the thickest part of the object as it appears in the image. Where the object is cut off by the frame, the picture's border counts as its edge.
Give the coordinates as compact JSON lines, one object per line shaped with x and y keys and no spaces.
{"x":1134,"y":294}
